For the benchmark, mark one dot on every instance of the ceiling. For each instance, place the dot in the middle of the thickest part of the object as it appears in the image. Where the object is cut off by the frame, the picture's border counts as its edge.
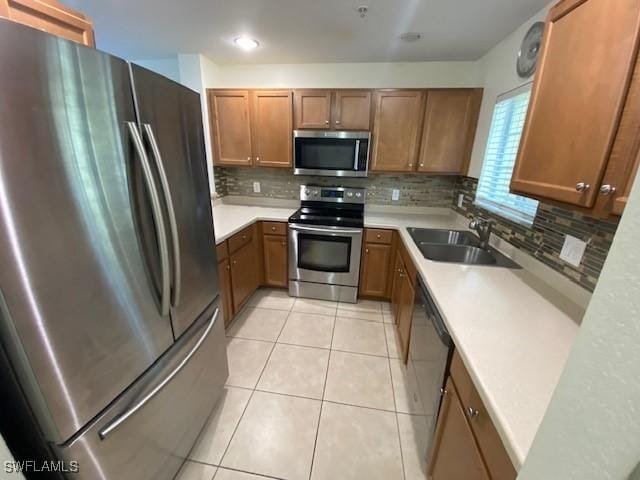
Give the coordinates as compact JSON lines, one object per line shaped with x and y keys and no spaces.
{"x":305,"y":31}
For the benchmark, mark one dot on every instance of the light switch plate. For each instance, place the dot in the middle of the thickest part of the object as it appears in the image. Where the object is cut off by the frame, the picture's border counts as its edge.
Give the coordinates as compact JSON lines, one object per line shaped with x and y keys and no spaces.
{"x":460,"y":200}
{"x":573,"y":250}
{"x":395,"y":195}
{"x":256,"y":187}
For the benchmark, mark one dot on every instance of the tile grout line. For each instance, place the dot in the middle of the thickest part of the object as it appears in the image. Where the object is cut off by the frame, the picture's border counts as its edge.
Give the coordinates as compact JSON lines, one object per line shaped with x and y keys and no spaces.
{"x":324,"y":387}
{"x":253,"y":391}
{"x":395,"y":406}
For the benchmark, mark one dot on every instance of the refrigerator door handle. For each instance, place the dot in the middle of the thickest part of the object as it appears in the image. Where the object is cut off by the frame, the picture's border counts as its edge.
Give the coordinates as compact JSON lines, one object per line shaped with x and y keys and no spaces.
{"x":173,"y":224}
{"x":114,"y":424}
{"x":157,"y":217}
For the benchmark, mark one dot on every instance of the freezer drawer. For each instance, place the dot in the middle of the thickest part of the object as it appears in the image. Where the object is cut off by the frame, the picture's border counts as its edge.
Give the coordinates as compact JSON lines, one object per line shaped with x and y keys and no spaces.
{"x":180,"y":392}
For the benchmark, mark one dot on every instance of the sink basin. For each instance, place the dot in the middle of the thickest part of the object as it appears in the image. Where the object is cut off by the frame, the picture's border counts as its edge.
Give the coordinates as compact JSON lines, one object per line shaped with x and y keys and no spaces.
{"x":447,"y":237}
{"x":457,"y":254}
{"x":457,"y":246}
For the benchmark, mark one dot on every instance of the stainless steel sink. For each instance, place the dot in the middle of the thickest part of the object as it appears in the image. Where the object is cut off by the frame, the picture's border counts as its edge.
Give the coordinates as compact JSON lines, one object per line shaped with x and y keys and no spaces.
{"x":454,"y":246}
{"x":447,"y":237}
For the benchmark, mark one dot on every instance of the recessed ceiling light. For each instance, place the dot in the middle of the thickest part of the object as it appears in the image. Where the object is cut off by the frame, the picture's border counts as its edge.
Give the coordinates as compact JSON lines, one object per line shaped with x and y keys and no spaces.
{"x":411,"y":37}
{"x":246,"y":43}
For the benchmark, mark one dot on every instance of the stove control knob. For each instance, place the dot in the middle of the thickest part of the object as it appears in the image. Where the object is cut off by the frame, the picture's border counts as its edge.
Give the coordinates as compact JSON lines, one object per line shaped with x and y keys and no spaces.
{"x":316,"y":193}
{"x":349,"y":194}
{"x":358,"y":194}
{"x":307,"y":191}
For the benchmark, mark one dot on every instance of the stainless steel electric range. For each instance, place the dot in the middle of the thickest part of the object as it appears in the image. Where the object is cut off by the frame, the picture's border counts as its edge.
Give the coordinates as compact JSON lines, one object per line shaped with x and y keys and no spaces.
{"x":325,"y":239}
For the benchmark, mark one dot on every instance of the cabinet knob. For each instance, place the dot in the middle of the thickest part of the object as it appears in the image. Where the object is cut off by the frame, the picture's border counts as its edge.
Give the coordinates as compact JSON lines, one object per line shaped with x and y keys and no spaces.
{"x":378,"y":236}
{"x":443,"y":391}
{"x":326,"y":122}
{"x":411,"y":164}
{"x":284,"y":244}
{"x":607,"y":190}
{"x":472,"y":412}
{"x":228,"y":267}
{"x":244,"y":237}
{"x":366,"y":250}
{"x":582,"y":187}
{"x":337,"y":122}
{"x":235,"y":262}
{"x":273,"y":229}
{"x":258,"y":159}
{"x":249,"y":159}
{"x":422,"y":165}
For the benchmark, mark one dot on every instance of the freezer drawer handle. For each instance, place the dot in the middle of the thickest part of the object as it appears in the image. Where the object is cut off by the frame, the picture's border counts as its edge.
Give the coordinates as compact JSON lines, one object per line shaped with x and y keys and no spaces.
{"x":173,"y":225}
{"x":123,"y":418}
{"x":157,"y":216}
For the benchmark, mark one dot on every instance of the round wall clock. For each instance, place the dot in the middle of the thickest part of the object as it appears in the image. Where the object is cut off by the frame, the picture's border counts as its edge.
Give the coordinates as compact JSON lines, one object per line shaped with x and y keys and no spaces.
{"x":529,"y":50}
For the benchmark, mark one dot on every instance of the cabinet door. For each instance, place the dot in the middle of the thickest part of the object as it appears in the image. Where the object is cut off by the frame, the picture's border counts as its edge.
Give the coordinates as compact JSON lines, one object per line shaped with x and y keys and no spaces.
{"x":375,"y":270}
{"x":352,"y":110}
{"x":224,"y":273}
{"x":271,"y":122}
{"x":450,"y":121}
{"x":455,"y":454}
{"x":312,"y":109}
{"x":398,"y":268}
{"x":244,"y":274}
{"x":50,"y":16}
{"x":275,"y":260}
{"x":230,"y":128}
{"x":405,"y":313}
{"x":396,"y":127}
{"x":588,"y":50}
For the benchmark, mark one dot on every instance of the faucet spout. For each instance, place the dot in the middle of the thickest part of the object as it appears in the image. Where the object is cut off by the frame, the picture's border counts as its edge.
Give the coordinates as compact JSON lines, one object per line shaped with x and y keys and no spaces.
{"x":483,"y":227}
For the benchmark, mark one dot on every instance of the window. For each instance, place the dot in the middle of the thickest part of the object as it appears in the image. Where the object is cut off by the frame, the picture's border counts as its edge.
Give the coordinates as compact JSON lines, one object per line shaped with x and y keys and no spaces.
{"x":502,"y":148}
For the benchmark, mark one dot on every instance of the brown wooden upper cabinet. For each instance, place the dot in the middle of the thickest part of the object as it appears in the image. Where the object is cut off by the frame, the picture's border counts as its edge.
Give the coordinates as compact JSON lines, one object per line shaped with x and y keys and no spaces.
{"x":251,"y":127}
{"x":581,"y":136}
{"x":332,"y":109}
{"x":50,"y":16}
{"x":396,"y":129}
{"x":450,"y":121}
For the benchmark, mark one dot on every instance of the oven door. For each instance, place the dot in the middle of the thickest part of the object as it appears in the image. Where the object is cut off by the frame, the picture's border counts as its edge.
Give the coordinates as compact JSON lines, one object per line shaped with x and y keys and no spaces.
{"x":334,"y":154}
{"x":329,"y":255}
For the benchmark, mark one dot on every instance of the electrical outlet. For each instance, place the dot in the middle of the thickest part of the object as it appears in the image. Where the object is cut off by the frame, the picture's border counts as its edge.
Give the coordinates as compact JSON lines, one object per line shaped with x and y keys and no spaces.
{"x":460,"y":200}
{"x":395,"y":195}
{"x":573,"y":250}
{"x":256,"y":187}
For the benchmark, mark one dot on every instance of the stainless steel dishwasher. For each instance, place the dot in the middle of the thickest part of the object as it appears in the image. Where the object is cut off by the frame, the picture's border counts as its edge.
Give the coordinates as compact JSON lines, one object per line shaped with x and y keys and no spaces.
{"x":430,"y":352}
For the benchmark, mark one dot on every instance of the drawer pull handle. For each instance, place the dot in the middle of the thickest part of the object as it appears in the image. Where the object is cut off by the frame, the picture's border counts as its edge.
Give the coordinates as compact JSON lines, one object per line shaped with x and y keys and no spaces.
{"x":472,"y":413}
{"x":378,"y":236}
{"x":273,"y":229}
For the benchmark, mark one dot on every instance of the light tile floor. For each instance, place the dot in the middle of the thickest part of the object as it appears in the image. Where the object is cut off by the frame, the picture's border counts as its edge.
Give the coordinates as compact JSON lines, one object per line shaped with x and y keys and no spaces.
{"x":316,"y":391}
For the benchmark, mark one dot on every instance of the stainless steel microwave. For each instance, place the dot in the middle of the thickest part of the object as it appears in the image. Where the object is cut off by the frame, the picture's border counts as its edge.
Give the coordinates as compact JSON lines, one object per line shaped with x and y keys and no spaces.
{"x":331,"y":154}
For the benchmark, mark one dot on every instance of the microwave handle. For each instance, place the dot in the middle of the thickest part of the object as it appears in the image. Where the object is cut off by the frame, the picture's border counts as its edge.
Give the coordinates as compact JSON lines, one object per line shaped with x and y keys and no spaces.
{"x":357,"y":156}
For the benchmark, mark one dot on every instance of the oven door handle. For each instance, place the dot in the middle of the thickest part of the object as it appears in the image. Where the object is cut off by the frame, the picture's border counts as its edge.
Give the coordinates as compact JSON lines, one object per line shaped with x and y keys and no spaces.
{"x":327,"y":230}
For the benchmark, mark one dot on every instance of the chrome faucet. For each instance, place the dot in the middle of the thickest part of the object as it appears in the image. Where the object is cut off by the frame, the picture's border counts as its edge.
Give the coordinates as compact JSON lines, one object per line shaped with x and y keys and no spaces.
{"x":483,"y":227}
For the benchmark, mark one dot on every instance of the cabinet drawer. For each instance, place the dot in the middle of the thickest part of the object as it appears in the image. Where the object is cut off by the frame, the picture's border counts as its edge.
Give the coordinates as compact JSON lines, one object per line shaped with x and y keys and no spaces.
{"x":222,"y":252}
{"x":374,"y":235}
{"x":237,"y":241}
{"x":274,"y":228}
{"x":490,"y":443}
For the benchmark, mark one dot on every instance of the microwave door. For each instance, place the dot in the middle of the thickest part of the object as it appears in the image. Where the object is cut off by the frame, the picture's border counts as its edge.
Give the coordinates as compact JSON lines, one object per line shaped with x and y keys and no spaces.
{"x":330,"y":155}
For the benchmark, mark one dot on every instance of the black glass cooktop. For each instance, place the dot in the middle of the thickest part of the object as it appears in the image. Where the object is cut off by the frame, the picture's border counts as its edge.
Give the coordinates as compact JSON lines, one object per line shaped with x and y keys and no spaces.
{"x":352,"y":216}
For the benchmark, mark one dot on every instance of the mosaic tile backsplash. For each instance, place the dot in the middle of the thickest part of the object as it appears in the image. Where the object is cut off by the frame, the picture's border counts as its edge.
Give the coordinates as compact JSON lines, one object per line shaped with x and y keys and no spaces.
{"x":415,"y":190}
{"x":545,"y":238}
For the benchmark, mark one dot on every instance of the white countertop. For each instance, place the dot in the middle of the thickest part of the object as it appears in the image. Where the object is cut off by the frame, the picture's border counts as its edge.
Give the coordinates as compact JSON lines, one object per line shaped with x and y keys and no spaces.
{"x":513,"y":340}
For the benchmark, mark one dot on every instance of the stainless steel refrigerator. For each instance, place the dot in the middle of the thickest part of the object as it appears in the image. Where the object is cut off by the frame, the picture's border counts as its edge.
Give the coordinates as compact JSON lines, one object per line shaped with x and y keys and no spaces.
{"x":110,"y":316}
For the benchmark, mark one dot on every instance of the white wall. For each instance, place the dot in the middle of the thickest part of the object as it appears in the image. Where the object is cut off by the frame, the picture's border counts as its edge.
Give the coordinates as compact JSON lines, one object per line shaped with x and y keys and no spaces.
{"x":164,"y":66}
{"x":195,"y":71}
{"x":591,"y":430}
{"x":348,"y":75}
{"x":497,"y":70}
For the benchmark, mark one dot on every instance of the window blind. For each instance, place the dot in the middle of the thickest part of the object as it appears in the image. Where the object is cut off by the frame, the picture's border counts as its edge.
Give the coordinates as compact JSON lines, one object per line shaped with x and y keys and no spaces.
{"x":500,"y":157}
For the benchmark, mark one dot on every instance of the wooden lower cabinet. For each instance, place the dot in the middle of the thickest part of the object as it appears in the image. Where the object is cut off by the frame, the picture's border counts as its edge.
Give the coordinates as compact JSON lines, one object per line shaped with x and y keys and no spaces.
{"x":455,"y":454}
{"x":245,"y":278}
{"x":50,"y":16}
{"x":275,"y":260}
{"x":375,"y":267}
{"x":224,"y":276}
{"x":466,"y":443}
{"x":405,"y":314}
